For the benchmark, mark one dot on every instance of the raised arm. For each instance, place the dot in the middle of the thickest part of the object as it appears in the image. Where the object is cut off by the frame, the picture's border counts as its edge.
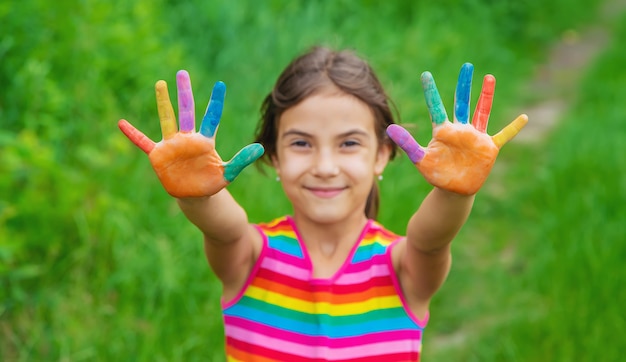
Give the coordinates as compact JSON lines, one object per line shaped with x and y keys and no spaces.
{"x":456,"y":162}
{"x":191,"y":170}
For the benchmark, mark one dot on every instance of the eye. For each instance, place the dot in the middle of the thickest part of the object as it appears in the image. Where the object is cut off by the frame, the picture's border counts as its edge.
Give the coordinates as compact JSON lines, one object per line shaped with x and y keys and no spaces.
{"x":350,"y":143}
{"x":299,"y":143}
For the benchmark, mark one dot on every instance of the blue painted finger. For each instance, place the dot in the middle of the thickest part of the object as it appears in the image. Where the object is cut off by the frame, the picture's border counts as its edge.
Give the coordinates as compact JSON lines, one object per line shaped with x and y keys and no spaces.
{"x":433,"y":99}
{"x":211,"y":119}
{"x":241,"y":160}
{"x":462,"y":95}
{"x":406,"y":142}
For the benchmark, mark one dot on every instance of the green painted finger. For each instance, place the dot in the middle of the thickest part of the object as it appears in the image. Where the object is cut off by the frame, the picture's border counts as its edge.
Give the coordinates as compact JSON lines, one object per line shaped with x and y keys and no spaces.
{"x":433,"y":99}
{"x":241,"y":160}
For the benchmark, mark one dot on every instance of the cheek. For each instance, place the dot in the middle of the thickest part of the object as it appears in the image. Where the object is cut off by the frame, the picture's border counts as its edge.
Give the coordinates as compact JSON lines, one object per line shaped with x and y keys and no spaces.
{"x":361,"y":167}
{"x":291,"y":166}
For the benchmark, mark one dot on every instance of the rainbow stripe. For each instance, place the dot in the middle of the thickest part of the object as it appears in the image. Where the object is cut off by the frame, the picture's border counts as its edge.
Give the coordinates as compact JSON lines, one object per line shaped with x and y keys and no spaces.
{"x":284,"y":314}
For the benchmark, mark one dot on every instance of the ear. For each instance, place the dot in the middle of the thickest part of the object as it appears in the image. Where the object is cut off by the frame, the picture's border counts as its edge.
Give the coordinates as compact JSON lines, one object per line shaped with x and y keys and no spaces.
{"x":382,"y":158}
{"x":276,"y":164}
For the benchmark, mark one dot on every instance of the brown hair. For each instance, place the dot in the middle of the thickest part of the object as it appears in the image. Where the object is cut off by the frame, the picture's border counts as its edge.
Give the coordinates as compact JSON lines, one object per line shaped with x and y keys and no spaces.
{"x":313,"y":71}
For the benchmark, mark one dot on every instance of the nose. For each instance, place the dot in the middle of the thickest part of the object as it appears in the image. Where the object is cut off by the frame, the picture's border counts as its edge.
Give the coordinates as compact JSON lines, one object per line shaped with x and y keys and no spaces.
{"x":325,"y":164}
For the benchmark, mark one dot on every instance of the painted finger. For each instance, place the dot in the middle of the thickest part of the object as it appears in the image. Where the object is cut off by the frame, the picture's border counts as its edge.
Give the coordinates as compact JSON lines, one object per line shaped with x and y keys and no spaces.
{"x":508,"y":132}
{"x":483,"y":107}
{"x":166,"y":112}
{"x":211,"y":119}
{"x":136,"y":136}
{"x":406,"y":142}
{"x":433,"y":99}
{"x":462,"y":94}
{"x":186,"y":109}
{"x":241,"y":160}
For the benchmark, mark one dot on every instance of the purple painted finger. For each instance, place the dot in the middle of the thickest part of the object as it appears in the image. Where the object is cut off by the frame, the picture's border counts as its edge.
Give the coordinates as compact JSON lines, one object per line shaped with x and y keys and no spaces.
{"x":186,"y":109}
{"x":406,"y":142}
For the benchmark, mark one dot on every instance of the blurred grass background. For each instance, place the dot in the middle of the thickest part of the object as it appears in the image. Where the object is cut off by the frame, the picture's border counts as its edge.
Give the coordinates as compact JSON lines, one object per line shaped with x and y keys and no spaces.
{"x":97,"y":262}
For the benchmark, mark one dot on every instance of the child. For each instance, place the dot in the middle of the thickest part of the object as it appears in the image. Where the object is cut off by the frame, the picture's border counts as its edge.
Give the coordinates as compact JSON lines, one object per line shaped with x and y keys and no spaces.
{"x":327,"y":283}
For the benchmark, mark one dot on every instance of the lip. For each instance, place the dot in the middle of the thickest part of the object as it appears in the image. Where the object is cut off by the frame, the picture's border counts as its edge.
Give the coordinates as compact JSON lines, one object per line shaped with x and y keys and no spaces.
{"x":325,"y":192}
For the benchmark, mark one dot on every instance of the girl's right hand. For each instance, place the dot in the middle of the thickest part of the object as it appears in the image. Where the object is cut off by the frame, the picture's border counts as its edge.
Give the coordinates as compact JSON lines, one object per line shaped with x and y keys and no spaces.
{"x":186,"y":161}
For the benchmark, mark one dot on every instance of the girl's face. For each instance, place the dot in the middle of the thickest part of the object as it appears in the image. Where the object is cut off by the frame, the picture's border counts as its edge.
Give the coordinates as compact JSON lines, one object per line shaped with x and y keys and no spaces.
{"x":327,"y":156}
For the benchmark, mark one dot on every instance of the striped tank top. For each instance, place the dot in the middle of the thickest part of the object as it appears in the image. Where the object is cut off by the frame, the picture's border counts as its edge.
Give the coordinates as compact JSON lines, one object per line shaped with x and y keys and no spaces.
{"x":358,"y":315}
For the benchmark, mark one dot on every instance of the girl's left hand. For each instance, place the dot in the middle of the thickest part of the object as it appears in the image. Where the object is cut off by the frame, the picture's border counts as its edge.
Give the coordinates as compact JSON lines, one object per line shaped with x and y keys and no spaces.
{"x":460,"y":155}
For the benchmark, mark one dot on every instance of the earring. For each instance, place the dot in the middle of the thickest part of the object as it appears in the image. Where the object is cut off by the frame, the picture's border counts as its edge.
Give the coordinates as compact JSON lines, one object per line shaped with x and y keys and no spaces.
{"x":380,"y":177}
{"x":277,"y":178}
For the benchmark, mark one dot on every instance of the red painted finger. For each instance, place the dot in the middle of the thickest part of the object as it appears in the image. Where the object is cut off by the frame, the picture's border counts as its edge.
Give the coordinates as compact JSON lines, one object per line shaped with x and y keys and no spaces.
{"x":483,"y":107}
{"x":136,"y":136}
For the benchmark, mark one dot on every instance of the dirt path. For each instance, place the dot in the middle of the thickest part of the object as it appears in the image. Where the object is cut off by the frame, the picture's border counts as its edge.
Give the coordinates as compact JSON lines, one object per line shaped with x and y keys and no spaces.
{"x":556,"y":81}
{"x":554,"y":85}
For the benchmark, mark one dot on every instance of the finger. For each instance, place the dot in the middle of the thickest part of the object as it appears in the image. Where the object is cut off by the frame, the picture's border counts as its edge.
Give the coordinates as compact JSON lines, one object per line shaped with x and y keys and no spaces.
{"x":508,"y":132}
{"x":406,"y":142}
{"x":211,"y":119}
{"x":166,"y":112}
{"x":136,"y":136}
{"x":483,"y":107}
{"x":186,"y":109}
{"x":462,"y":95}
{"x":241,"y":160}
{"x":433,"y":99}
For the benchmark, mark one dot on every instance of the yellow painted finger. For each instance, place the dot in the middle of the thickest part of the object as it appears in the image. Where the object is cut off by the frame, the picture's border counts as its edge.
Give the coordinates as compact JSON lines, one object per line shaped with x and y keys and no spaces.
{"x":166,"y":112}
{"x":508,"y":132}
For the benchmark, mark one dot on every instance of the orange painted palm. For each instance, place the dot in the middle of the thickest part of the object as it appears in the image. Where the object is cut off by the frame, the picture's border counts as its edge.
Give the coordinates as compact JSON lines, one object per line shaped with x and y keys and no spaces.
{"x":460,"y":155}
{"x":186,"y":161}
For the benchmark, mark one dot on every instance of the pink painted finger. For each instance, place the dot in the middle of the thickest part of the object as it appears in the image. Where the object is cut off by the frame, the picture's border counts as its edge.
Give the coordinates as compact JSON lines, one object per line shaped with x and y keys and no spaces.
{"x":483,"y":107}
{"x":508,"y":132}
{"x":166,"y":112}
{"x":136,"y":136}
{"x":406,"y":142}
{"x":186,"y":109}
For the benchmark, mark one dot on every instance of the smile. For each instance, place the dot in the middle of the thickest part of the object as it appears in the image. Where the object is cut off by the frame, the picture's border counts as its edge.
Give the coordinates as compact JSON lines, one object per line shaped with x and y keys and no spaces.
{"x":325,"y":193}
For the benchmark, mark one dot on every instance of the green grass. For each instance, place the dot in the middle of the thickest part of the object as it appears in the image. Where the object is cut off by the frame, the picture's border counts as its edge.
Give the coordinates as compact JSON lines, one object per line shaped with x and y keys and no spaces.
{"x":98,"y":263}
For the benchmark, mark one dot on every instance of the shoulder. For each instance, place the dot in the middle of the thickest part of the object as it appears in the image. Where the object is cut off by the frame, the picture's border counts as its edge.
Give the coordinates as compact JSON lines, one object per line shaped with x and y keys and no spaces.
{"x":375,"y":243}
{"x":380,"y":234}
{"x":281,"y":236}
{"x":278,"y":224}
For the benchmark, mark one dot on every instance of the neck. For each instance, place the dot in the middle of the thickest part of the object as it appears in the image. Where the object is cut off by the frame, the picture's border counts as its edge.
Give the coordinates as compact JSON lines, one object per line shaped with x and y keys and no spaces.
{"x":327,"y":239}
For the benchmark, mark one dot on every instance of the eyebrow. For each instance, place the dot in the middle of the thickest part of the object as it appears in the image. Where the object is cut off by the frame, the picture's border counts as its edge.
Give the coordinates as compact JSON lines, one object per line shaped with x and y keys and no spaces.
{"x":352,"y":132}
